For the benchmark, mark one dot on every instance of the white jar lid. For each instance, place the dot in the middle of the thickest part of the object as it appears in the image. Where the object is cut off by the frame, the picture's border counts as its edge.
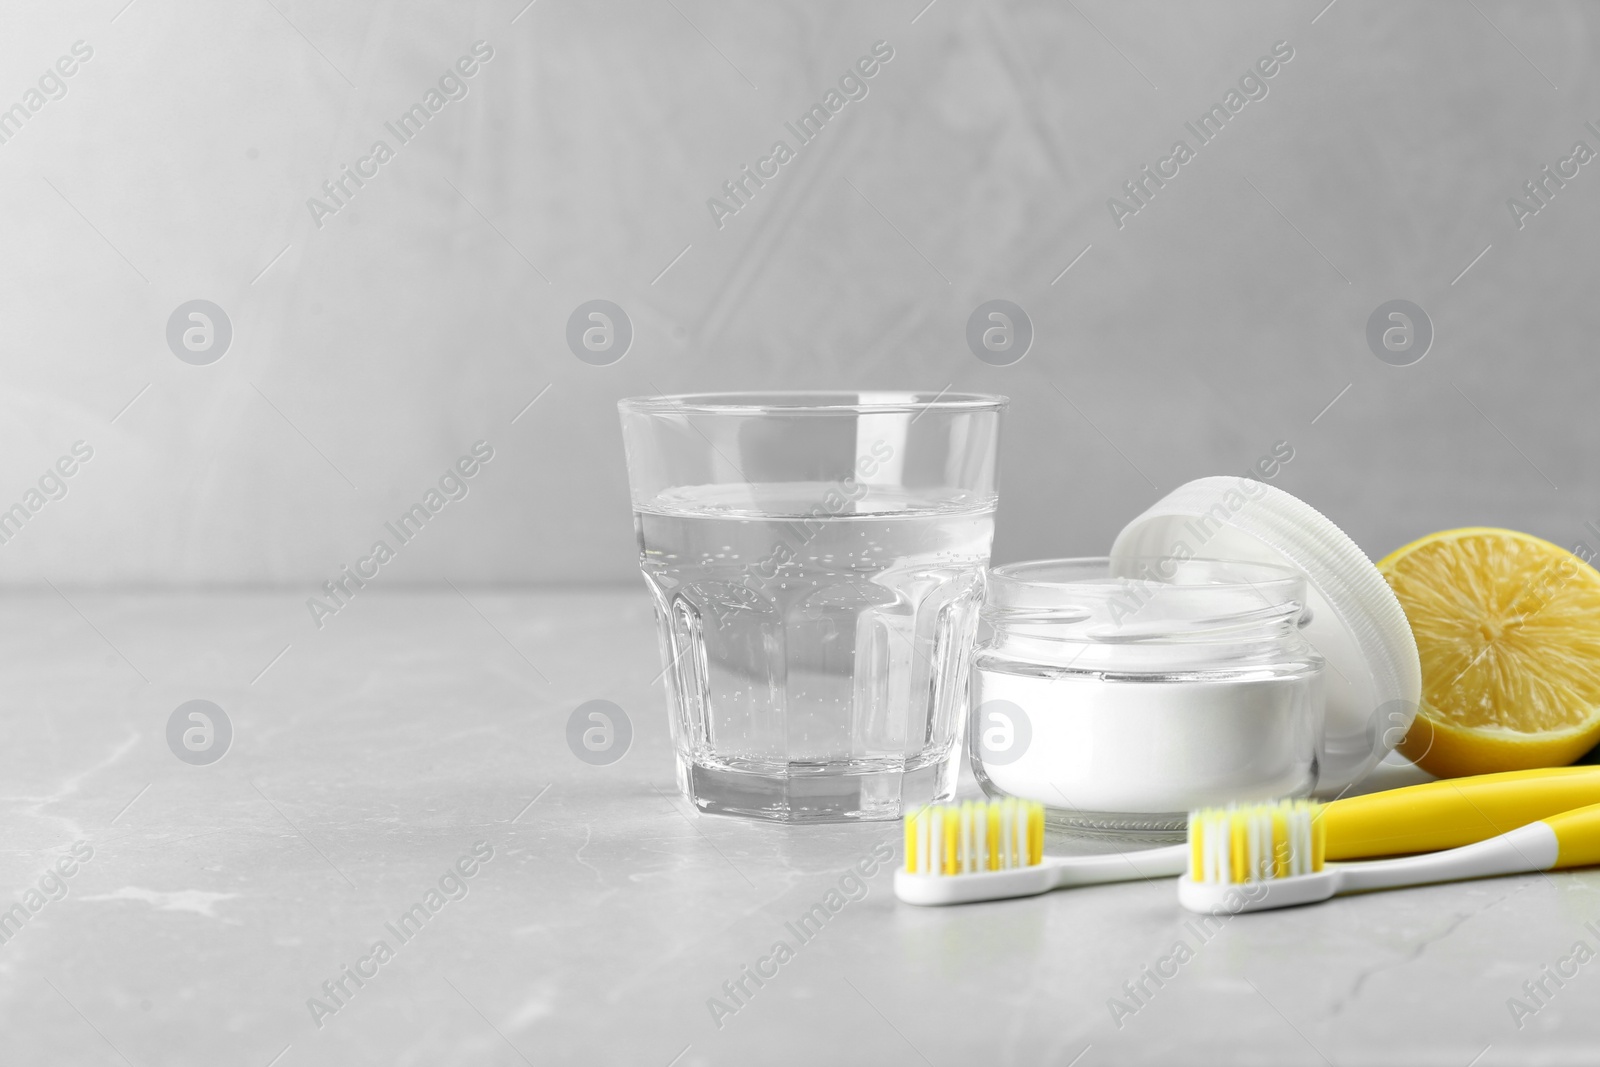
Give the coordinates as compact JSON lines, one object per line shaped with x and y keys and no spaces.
{"x":1374,"y":679}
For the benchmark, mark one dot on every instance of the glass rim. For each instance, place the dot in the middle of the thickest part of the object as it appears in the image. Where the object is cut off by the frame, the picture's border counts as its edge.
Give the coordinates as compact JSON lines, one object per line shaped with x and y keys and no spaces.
{"x":1078,"y":600}
{"x":1086,"y":578}
{"x":812,"y":402}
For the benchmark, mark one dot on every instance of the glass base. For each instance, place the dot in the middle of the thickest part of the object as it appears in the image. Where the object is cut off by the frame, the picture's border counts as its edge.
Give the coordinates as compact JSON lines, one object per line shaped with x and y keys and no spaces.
{"x":817,"y":795}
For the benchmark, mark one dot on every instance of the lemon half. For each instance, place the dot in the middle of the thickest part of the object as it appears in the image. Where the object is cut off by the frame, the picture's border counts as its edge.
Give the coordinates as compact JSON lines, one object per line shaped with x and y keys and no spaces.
{"x":1508,"y":629}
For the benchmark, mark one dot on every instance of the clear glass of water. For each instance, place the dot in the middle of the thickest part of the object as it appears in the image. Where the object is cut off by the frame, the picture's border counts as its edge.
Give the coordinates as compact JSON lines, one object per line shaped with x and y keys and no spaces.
{"x":817,"y":562}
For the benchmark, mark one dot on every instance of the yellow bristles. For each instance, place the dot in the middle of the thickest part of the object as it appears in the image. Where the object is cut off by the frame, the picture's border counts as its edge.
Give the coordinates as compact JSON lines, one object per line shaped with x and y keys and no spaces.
{"x":1036,"y":837}
{"x":1256,"y":842}
{"x":974,"y":836}
{"x":1197,"y":855}
{"x":1280,"y":844}
{"x":911,"y":842}
{"x":1236,"y":850}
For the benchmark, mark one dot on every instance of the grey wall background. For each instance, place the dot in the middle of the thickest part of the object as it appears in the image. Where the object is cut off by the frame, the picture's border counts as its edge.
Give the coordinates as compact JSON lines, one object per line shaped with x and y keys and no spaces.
{"x":1224,"y":317}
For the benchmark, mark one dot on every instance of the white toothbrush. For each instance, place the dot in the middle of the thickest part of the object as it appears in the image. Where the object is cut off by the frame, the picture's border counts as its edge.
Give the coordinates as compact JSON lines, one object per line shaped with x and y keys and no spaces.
{"x":1255,"y":858}
{"x":992,"y":850}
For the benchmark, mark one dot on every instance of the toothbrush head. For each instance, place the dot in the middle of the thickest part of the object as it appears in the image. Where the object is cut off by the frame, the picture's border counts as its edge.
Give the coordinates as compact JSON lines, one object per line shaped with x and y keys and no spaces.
{"x":994,"y":850}
{"x":974,"y":836}
{"x":974,"y":850}
{"x":1256,"y":842}
{"x":1256,"y":856}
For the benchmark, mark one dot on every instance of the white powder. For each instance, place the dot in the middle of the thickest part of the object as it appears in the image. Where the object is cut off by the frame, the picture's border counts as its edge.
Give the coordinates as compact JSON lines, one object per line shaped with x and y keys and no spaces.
{"x":1153,"y":747}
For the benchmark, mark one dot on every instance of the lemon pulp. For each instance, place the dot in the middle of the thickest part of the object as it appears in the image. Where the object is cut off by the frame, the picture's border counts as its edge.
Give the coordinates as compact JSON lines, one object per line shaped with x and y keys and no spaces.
{"x":1508,"y":629}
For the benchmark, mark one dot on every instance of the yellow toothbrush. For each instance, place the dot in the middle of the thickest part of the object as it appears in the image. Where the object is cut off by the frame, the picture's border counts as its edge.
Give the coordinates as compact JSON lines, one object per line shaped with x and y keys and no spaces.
{"x":991,"y":850}
{"x":1259,"y":857}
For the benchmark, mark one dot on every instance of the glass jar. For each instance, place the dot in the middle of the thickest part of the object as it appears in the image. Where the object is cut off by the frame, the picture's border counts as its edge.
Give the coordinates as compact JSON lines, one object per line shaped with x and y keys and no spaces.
{"x":1121,"y":697}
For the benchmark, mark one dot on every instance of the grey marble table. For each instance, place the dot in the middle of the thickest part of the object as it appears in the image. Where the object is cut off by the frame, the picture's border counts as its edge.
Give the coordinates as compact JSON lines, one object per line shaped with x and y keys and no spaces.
{"x":402,"y":776}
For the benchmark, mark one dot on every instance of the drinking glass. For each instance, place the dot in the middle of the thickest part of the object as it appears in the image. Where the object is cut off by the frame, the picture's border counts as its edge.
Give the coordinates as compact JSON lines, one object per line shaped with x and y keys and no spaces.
{"x":816,"y":562}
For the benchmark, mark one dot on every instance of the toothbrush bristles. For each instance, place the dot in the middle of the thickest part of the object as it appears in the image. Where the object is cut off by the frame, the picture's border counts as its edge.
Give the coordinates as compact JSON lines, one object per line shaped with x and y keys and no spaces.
{"x":1244,"y":843}
{"x":974,"y":836}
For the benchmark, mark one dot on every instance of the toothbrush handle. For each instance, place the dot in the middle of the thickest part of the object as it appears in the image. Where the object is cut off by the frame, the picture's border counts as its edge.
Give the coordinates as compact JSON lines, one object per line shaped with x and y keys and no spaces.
{"x":1577,"y":837}
{"x":1166,"y":862}
{"x":1453,"y":812}
{"x":1566,"y":839}
{"x":1529,"y":848}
